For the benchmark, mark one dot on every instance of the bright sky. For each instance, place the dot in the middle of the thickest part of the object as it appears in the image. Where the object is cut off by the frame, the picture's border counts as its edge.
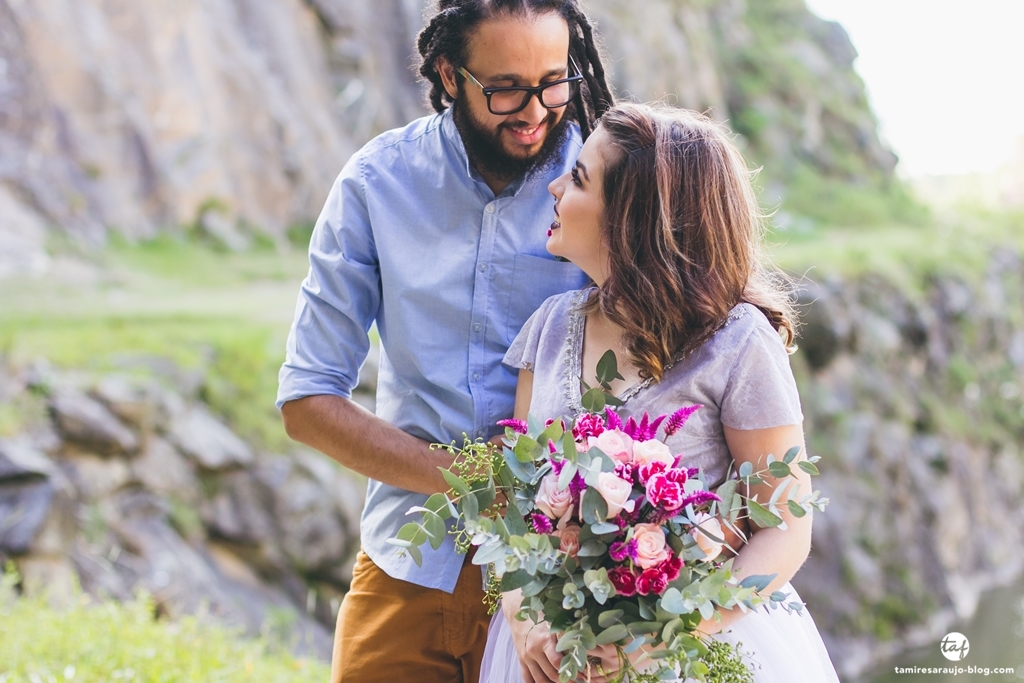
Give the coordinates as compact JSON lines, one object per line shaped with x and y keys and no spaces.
{"x":945,"y":78}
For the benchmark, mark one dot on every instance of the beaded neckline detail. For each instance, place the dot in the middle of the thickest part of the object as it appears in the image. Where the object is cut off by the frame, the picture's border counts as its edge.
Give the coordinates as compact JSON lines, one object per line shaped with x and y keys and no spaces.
{"x":572,"y":373}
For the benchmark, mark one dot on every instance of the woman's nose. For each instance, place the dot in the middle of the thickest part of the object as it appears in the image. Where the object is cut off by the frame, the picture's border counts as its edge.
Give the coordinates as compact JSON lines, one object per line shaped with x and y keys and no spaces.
{"x":557,"y":186}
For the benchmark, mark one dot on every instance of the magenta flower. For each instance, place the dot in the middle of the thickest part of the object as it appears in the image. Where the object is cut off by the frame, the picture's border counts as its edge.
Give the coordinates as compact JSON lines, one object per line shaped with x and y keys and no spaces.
{"x":649,"y":470}
{"x":518,"y":426}
{"x":614,"y":421}
{"x":698,"y":498}
{"x":679,"y":418}
{"x":664,"y":493}
{"x":619,"y":550}
{"x":624,"y":581}
{"x":541,"y":524}
{"x":587,"y":425}
{"x":625,"y":471}
{"x":651,"y":581}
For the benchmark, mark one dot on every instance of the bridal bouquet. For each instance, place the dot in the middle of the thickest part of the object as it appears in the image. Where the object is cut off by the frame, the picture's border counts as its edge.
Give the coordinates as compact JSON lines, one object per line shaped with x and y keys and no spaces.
{"x":611,"y":541}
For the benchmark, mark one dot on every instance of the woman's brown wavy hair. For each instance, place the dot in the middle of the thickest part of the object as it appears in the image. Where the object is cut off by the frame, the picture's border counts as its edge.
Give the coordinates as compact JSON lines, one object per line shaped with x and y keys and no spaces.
{"x":684,"y":233}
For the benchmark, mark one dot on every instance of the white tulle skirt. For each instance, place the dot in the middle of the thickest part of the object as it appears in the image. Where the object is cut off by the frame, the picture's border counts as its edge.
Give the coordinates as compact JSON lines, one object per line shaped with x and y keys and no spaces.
{"x":780,"y":647}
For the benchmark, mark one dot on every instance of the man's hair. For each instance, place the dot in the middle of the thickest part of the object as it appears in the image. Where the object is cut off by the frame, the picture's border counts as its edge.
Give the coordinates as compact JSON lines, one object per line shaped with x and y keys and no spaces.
{"x":447,"y":36}
{"x":684,"y":234}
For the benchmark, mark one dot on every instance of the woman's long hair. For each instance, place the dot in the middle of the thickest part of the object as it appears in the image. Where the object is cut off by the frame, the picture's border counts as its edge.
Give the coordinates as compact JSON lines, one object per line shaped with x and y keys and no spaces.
{"x":684,"y":234}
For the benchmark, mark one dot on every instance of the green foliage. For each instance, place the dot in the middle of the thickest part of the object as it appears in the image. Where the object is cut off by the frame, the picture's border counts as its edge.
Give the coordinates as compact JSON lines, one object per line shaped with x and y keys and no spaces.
{"x":92,"y":641}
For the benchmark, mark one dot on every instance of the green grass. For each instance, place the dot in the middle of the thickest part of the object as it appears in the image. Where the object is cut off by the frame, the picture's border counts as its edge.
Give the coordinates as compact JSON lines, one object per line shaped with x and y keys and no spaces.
{"x":90,"y":641}
{"x":959,"y":243}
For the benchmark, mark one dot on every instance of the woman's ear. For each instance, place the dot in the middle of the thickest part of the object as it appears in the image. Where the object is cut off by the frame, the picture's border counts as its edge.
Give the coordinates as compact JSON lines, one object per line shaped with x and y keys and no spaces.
{"x":447,"y":72}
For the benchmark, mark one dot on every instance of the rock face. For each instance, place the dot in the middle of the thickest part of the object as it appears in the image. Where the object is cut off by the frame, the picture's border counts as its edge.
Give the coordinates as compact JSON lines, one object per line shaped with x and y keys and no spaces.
{"x":913,"y":400}
{"x":130,"y":486}
{"x":235,"y":117}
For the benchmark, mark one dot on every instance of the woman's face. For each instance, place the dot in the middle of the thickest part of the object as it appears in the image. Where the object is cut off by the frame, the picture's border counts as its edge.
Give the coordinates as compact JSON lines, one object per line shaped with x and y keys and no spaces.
{"x":575,"y":233}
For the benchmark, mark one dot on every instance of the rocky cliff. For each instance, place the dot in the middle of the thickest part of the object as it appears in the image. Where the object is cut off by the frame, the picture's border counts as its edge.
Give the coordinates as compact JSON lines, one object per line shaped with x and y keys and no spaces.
{"x":913,"y":398}
{"x":127,"y":482}
{"x":235,"y":116}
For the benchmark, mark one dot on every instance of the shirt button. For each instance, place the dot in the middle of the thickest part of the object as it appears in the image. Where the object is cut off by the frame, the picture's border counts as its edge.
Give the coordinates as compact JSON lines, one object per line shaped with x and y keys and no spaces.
{"x":480,"y":432}
{"x":490,"y":208}
{"x":483,"y":267}
{"x":476,"y":327}
{"x":476,"y":375}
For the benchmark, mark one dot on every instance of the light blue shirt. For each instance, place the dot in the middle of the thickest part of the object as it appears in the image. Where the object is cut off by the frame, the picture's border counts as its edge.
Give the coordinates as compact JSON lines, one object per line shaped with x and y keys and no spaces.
{"x":412,"y":238}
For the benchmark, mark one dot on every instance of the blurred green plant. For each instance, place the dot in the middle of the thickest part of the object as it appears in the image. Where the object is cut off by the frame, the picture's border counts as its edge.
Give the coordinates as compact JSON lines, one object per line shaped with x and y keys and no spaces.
{"x":92,"y":641}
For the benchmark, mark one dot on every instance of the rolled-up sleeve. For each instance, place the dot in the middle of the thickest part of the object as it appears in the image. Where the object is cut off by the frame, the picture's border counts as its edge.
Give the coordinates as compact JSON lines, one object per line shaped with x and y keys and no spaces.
{"x":339,"y":298}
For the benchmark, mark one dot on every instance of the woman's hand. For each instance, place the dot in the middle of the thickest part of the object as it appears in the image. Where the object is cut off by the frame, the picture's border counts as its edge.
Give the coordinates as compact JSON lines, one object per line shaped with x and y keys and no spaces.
{"x":534,"y":643}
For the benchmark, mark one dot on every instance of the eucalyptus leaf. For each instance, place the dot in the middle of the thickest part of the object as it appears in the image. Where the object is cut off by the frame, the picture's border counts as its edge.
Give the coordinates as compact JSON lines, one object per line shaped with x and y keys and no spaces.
{"x":604,"y":528}
{"x":569,"y":449}
{"x":779,"y":469}
{"x":513,"y":580}
{"x":808,"y":467}
{"x":635,"y":644}
{"x":520,"y":469}
{"x":526,"y":449}
{"x":612,"y":616}
{"x":746,"y":469}
{"x":612,"y":634}
{"x":644,"y":627}
{"x":567,"y":474}
{"x":791,"y":455}
{"x":672,"y":602}
{"x":757,"y":581}
{"x":593,"y":400}
{"x":514,"y":521}
{"x":760,"y":516}
{"x":455,"y":481}
{"x":726,"y":492}
{"x":613,"y":400}
{"x":439,"y":504}
{"x":593,"y":548}
{"x":608,"y":368}
{"x":470,"y":506}
{"x":434,"y":526}
{"x":594,"y":508}
{"x":795,"y":509}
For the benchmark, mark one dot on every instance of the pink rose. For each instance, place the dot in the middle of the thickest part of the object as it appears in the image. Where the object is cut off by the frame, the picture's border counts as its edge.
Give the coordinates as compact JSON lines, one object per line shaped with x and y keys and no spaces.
{"x":711,"y":525}
{"x":651,"y":582}
{"x":664,"y":493}
{"x":624,"y":581}
{"x":569,"y":539}
{"x":650,"y":545}
{"x":652,"y":451}
{"x":615,"y":492}
{"x":551,"y":501}
{"x":614,"y":444}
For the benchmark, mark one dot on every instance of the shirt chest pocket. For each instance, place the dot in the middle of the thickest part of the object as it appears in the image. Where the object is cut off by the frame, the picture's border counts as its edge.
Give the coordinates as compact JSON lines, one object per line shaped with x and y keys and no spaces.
{"x":532,"y":280}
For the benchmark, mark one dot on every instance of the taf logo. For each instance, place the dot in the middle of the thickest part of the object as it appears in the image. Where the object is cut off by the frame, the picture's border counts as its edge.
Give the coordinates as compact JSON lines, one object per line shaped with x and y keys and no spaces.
{"x":954,"y":646}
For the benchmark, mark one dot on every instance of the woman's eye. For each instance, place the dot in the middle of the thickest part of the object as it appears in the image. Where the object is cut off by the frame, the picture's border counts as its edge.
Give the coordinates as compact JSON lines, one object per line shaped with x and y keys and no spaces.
{"x":575,"y":176}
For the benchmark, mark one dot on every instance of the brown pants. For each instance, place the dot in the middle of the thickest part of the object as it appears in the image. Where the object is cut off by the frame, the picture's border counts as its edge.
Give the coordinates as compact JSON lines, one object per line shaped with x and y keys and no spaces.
{"x":392,"y":631}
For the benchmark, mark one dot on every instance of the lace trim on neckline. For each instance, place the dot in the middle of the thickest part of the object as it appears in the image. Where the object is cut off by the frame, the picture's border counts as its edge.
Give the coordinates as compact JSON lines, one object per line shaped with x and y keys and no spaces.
{"x":572,"y":373}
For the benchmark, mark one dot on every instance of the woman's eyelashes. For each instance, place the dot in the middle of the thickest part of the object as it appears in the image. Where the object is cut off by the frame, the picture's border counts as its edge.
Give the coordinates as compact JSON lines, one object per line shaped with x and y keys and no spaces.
{"x":575,"y":173}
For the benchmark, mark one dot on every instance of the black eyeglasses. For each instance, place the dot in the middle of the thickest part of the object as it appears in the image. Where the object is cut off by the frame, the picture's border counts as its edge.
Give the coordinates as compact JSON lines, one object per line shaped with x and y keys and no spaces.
{"x":503,"y":101}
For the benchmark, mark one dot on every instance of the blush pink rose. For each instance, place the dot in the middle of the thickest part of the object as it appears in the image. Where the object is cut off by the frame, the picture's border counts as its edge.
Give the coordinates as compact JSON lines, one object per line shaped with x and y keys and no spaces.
{"x":711,"y":525}
{"x":652,"y":451}
{"x":650,"y":545}
{"x":614,"y":444}
{"x":664,"y":493}
{"x":569,"y":539}
{"x":615,"y":492}
{"x":550,"y":500}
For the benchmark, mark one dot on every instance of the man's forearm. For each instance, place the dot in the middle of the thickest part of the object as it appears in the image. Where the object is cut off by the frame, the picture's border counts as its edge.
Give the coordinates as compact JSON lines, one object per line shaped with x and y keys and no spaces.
{"x":363,"y":442}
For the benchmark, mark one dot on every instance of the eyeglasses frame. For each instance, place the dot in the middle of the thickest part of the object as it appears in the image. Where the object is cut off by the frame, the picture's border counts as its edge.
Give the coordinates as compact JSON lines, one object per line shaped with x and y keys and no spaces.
{"x":528,"y":89}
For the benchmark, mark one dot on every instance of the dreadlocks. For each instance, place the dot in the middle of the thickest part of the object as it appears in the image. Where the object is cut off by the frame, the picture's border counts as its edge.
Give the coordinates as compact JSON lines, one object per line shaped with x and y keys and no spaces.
{"x":447,"y":35}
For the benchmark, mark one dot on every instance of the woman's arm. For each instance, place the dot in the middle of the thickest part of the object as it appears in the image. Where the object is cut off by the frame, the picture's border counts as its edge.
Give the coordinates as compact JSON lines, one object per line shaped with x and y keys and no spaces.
{"x":770,"y":550}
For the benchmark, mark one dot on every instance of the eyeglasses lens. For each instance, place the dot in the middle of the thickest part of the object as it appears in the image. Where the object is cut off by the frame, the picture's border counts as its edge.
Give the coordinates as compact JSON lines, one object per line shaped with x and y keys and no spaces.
{"x":509,"y":101}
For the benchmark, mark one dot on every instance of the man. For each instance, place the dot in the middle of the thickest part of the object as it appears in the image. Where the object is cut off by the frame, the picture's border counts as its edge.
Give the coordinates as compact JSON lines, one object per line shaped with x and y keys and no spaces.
{"x":436,"y":232}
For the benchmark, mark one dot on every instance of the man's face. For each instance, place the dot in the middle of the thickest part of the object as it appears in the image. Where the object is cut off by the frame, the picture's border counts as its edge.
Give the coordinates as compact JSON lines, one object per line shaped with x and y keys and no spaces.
{"x":510,"y":51}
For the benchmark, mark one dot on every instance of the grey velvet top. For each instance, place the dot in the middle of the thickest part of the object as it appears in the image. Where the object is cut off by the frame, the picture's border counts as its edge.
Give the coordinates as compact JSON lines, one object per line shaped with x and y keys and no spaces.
{"x":741,"y":376}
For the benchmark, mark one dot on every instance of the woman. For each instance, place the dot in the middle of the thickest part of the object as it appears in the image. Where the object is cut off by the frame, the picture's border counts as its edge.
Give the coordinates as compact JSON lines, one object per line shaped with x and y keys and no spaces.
{"x":659,"y":211}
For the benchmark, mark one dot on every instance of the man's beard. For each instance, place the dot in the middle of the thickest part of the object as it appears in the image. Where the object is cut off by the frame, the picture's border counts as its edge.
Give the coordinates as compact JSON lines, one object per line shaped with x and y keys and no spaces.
{"x":488,"y":155}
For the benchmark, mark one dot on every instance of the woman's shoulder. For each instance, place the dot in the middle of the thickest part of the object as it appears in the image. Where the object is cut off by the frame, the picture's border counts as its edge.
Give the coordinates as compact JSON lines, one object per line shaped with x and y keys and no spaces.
{"x":745,"y":325}
{"x":564,"y":304}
